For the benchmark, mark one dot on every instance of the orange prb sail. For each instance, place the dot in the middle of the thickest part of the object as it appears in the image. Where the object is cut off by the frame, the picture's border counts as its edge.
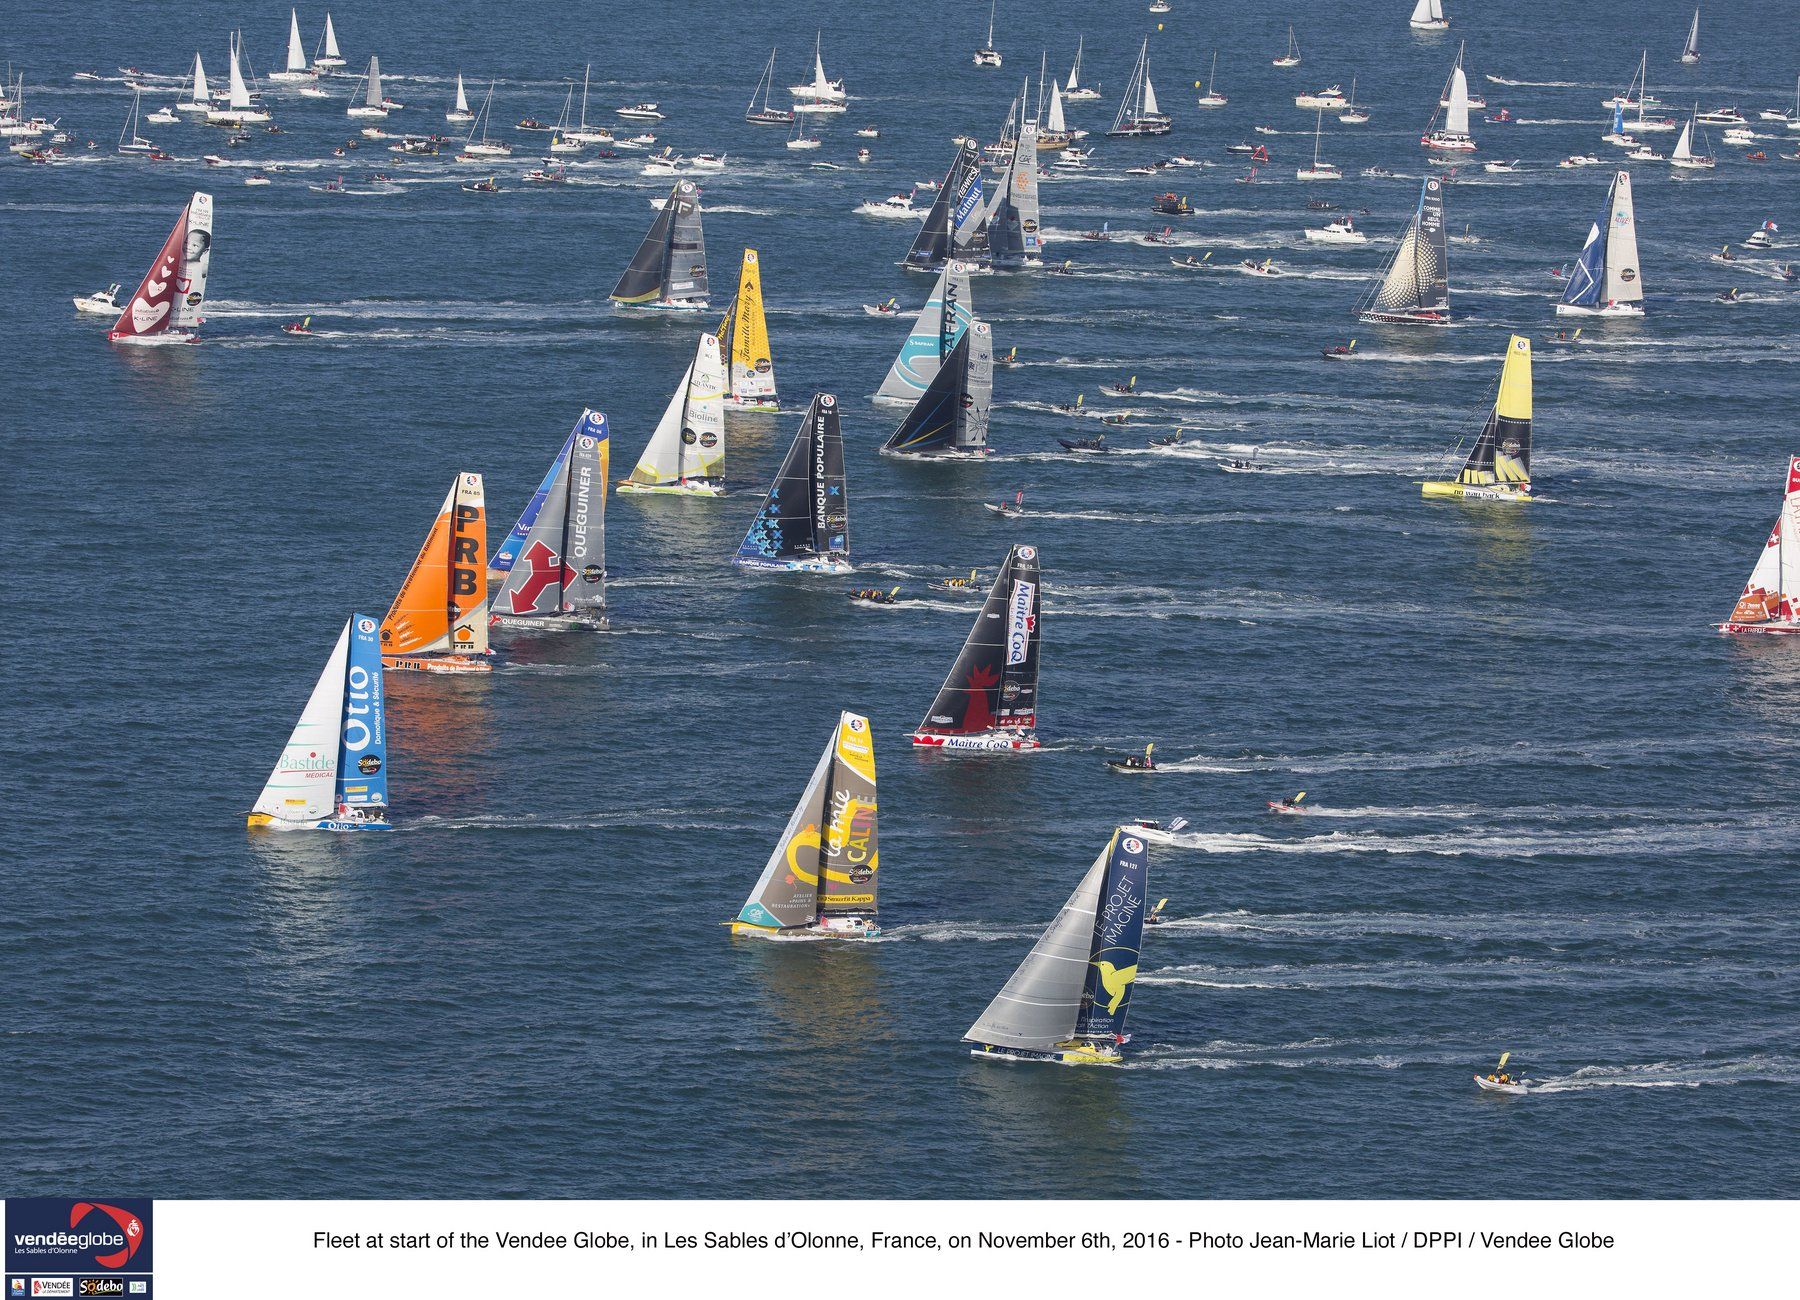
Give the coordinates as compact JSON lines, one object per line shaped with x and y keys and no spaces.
{"x":442,"y":605}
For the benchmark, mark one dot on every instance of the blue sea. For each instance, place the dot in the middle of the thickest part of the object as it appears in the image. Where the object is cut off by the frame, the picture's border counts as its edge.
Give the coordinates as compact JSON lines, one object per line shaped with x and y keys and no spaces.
{"x":1554,"y":809}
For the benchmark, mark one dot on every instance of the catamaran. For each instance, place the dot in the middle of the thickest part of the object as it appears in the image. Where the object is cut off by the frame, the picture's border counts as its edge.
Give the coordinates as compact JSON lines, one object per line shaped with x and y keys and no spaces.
{"x":1067,"y":1001}
{"x":238,"y":109}
{"x":1415,"y":288}
{"x":460,"y":111}
{"x":768,"y":114}
{"x":934,"y":335}
{"x":804,"y":523}
{"x":989,"y":700}
{"x":987,"y":56}
{"x":1292,"y":58}
{"x":1771,"y":599}
{"x":744,"y":342}
{"x":1139,"y":113}
{"x":1428,"y":16}
{"x":552,"y":566}
{"x":327,"y":55}
{"x":1606,"y":281}
{"x":821,"y":94}
{"x":438,"y":622}
{"x":1499,"y":466}
{"x":820,"y":880}
{"x":668,"y":271}
{"x":372,"y":104}
{"x":1212,"y":98}
{"x":1073,"y":90}
{"x":1454,"y":135}
{"x":1319,"y":171}
{"x":950,"y":419}
{"x":166,"y":306}
{"x":1690,"y":52}
{"x":686,"y":453}
{"x":954,"y":222}
{"x":332,"y":774}
{"x":297,"y":68}
{"x":1683,"y":155}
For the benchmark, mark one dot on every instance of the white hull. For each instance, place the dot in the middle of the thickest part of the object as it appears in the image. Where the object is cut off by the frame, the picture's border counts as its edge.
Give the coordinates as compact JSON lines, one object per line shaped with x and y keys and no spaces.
{"x":988,"y":742}
{"x":1512,"y":1089}
{"x":820,"y":108}
{"x":1337,"y":237}
{"x":818,"y":565}
{"x":1318,"y":174}
{"x":1633,"y":310}
{"x":364,"y":110}
{"x":688,"y":489}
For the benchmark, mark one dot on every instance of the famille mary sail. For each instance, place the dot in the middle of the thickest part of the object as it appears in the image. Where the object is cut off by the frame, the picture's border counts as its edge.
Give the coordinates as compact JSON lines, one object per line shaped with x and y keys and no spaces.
{"x":1605,"y":281}
{"x":934,"y":335}
{"x":1415,"y":288}
{"x":1771,"y":599}
{"x":438,"y":622}
{"x":820,"y":880}
{"x":552,"y":566}
{"x":166,"y":307}
{"x":669,"y":269}
{"x":686,"y":453}
{"x":804,"y":523}
{"x":744,"y":343}
{"x":1499,"y":467}
{"x":989,"y":700}
{"x":950,"y":419}
{"x":1066,"y":1003}
{"x":332,"y":773}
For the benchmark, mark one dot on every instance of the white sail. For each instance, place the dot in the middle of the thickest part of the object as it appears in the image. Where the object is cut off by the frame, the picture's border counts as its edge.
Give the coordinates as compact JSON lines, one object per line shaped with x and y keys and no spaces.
{"x":1690,"y":52}
{"x":689,"y":441}
{"x":1075,"y":72}
{"x":462,"y":100}
{"x":331,"y":48}
{"x":296,"y":53}
{"x":1401,"y":289}
{"x":1623,"y":282}
{"x":202,"y":95}
{"x":1456,"y":119}
{"x":1054,"y":122}
{"x":1150,"y":108}
{"x":820,"y":81}
{"x":303,"y":784}
{"x":240,"y":93}
{"x":372,"y":96}
{"x":1421,"y":13}
{"x":1682,"y":146}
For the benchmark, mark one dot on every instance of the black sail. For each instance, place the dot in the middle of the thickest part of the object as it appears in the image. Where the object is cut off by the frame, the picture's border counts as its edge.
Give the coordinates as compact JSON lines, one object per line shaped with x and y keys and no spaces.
{"x":993,"y":686}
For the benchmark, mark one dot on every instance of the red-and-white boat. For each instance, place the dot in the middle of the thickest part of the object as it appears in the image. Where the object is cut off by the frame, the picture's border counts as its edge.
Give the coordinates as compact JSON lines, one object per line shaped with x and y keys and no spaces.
{"x":166,"y":306}
{"x":1771,"y":599}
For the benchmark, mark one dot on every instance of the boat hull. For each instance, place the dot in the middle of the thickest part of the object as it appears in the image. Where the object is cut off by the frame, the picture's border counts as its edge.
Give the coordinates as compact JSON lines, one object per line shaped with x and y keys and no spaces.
{"x":987,"y":742}
{"x":770,"y":407}
{"x":688,"y":489}
{"x":550,"y":622}
{"x":1472,"y":492}
{"x":1730,"y":628}
{"x":1511,"y":1089}
{"x":856,"y":932}
{"x":817,"y":565}
{"x":436,"y":664}
{"x":165,"y":339}
{"x":1405,"y":318}
{"x":1630,"y":310}
{"x":1083,"y":1054}
{"x":266,"y":822}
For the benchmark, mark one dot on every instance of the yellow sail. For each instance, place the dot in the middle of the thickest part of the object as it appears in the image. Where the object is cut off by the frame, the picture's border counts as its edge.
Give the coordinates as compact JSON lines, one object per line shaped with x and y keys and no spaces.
{"x":746,"y":331}
{"x":1499,"y":467}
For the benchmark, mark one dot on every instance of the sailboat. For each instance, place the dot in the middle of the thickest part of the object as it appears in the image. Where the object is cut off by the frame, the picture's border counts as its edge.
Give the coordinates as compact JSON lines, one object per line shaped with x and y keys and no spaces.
{"x":199,"y":98}
{"x":1415,"y":288}
{"x":1683,"y":155}
{"x":1073,"y":90}
{"x":1352,"y":115}
{"x":1454,"y":135}
{"x":686,"y":453}
{"x":804,"y":523}
{"x":328,"y":56}
{"x":130,"y":142}
{"x":1690,"y":53}
{"x":332,"y":774}
{"x":1015,"y":237}
{"x":989,"y":700}
{"x":820,"y":880}
{"x":166,"y":306}
{"x":238,"y":109}
{"x":1606,"y":281}
{"x":1499,"y":467}
{"x":1771,"y":599}
{"x":1138,"y":113}
{"x":767,"y":115}
{"x":582,"y":133}
{"x":934,"y":335}
{"x":1292,"y":58}
{"x":553,"y":570}
{"x":372,"y":105}
{"x":668,"y":271}
{"x":438,"y":622}
{"x":297,"y":68}
{"x":1067,"y":1001}
{"x":460,"y":112}
{"x":950,"y":419}
{"x":987,"y":56}
{"x":1056,"y":134}
{"x":821,"y":94}
{"x":1319,"y":171}
{"x":481,"y":150}
{"x":1428,"y":16}
{"x":744,"y":342}
{"x":1212,"y":98}
{"x":954,"y":220}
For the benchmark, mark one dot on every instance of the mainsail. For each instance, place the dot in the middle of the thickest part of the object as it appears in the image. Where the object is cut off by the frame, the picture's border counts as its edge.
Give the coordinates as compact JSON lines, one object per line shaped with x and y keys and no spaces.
{"x":296,"y":52}
{"x":744,"y":340}
{"x":804,"y":523}
{"x":559,"y":567}
{"x":372,"y":91}
{"x":166,"y":306}
{"x":1416,"y":287}
{"x":1014,"y":236}
{"x":940,"y":323}
{"x":990,"y":698}
{"x":954,"y":217}
{"x":1502,"y":453}
{"x":1606,"y":274}
{"x":201,"y":95}
{"x":332,"y":54}
{"x":441,"y":609}
{"x":332,"y":773}
{"x":669,"y":267}
{"x":822,"y":874}
{"x":1690,"y":52}
{"x":951,"y":416}
{"x":1771,"y":599}
{"x":686,"y":453}
{"x":1073,"y":989}
{"x":239,"y":93}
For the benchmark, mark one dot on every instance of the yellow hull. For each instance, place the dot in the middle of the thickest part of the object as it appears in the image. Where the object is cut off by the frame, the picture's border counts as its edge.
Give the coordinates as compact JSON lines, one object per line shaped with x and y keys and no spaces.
{"x":1466,"y":492}
{"x":259,"y":821}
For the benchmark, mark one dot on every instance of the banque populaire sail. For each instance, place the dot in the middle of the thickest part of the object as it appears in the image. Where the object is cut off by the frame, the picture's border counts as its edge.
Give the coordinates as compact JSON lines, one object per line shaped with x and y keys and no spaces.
{"x":686,"y":453}
{"x":1499,"y":466}
{"x":989,"y":701}
{"x":1415,"y":288}
{"x":1067,"y":1001}
{"x":438,"y":622}
{"x":332,"y":774}
{"x":804,"y":523}
{"x":744,"y":343}
{"x":820,"y":882}
{"x":1771,"y":599}
{"x":934,"y":335}
{"x":552,"y":566}
{"x":166,"y":306}
{"x":669,"y":269}
{"x":1606,"y":280}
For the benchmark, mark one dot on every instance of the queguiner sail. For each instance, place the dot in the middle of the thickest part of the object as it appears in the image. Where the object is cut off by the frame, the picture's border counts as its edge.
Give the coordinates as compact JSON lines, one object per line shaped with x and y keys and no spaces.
{"x":166,"y":306}
{"x":669,"y":269}
{"x":1415,"y":288}
{"x":1771,"y":599}
{"x":332,"y":774}
{"x":555,"y":576}
{"x":744,"y":342}
{"x":1499,"y":467}
{"x":989,"y":700}
{"x":438,"y":622}
{"x":686,"y":453}
{"x":804,"y":523}
{"x":940,"y":323}
{"x":820,"y":880}
{"x":1067,"y":1001}
{"x":1606,"y":281}
{"x":950,"y":419}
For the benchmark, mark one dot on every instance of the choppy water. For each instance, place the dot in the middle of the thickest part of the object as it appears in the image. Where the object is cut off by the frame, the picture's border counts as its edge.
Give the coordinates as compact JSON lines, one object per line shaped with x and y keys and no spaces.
{"x":1554,"y":808}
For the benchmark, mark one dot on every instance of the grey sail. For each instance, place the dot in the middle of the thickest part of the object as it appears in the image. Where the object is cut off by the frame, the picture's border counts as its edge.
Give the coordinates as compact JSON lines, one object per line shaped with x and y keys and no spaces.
{"x":642,"y":280}
{"x":685,"y":279}
{"x":1014,"y":236}
{"x":372,"y":95}
{"x":972,"y":432}
{"x":560,"y":567}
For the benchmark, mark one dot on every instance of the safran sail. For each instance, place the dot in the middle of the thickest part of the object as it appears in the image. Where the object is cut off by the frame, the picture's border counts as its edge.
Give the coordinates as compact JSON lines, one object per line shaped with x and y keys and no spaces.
{"x":558,"y":578}
{"x":332,"y":774}
{"x":821,"y":878}
{"x":804,"y":523}
{"x":951,"y":416}
{"x":1415,"y":289}
{"x":1067,"y":1001}
{"x":166,"y":307}
{"x":438,"y":622}
{"x":1771,"y":599}
{"x":669,"y":269}
{"x":1605,"y":281}
{"x":686,"y":453}
{"x":953,"y":220}
{"x":989,"y":700}
{"x":744,"y":341}
{"x":940,"y":323}
{"x":1499,"y":467}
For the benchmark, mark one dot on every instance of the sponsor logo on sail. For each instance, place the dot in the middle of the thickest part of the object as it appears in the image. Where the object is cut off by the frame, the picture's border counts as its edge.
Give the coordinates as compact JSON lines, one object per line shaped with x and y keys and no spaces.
{"x":52,"y":1286}
{"x":101,"y":1286}
{"x":1020,"y":622}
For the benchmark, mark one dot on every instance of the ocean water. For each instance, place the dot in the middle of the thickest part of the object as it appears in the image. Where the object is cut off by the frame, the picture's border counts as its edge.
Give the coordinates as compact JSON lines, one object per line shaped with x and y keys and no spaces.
{"x":1554,"y":810}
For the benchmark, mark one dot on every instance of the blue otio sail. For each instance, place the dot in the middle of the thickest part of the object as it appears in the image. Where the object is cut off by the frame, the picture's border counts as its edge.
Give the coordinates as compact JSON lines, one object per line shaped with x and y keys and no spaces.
{"x":362,"y":778}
